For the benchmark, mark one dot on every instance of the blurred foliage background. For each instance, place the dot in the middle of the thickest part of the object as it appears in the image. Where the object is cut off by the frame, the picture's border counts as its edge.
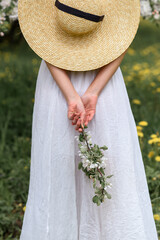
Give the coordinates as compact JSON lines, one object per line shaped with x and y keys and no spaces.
{"x":18,"y":73}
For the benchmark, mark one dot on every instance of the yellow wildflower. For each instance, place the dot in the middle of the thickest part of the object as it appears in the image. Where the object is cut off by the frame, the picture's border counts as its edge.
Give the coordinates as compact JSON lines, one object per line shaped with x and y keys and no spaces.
{"x":24,"y":208}
{"x":157,"y":139}
{"x":20,"y":204}
{"x":140,"y":134}
{"x":158,"y":89}
{"x":153,"y":136}
{"x":139,"y":128}
{"x":157,"y":217}
{"x":136,"y":101}
{"x":25,"y":167}
{"x":145,"y":64}
{"x":2,"y":74}
{"x":145,"y":71}
{"x":129,"y":78}
{"x":136,"y":67}
{"x":150,"y":141}
{"x":154,"y":140}
{"x":143,"y":123}
{"x":152,"y":84}
{"x":156,"y":71}
{"x":131,"y":51}
{"x":154,"y":178}
{"x":157,"y":158}
{"x":34,"y":61}
{"x":151,"y":154}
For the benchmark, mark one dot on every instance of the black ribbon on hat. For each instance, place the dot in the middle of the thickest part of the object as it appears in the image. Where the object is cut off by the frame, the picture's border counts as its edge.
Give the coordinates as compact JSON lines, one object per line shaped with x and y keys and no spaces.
{"x":78,"y":13}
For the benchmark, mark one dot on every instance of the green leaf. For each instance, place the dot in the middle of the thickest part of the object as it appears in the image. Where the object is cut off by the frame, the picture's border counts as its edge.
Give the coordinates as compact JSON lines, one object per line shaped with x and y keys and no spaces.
{"x":99,"y":202}
{"x":80,"y":138}
{"x":99,"y":191}
{"x":103,"y":184}
{"x":95,"y":199}
{"x":108,"y":195}
{"x":104,"y":147}
{"x":109,"y":176}
{"x":102,"y":171}
{"x":80,"y":165}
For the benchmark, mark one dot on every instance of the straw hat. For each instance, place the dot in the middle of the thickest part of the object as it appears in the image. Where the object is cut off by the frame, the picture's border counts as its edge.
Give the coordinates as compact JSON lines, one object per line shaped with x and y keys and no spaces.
{"x":79,"y":35}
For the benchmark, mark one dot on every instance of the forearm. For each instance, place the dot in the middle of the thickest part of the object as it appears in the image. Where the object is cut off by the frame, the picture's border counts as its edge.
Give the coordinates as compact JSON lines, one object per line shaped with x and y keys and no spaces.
{"x":104,"y":75}
{"x":62,"y":79}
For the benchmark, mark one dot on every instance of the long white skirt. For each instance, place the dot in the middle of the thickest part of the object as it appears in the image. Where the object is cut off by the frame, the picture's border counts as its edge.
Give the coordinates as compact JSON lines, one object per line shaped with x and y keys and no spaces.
{"x":59,"y":204}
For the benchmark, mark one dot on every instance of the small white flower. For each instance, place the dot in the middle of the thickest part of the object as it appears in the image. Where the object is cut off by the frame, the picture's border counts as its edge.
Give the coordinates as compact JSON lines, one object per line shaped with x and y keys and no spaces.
{"x":90,"y":141}
{"x":85,"y":160}
{"x":102,"y":164}
{"x":108,"y":186}
{"x":1,"y":34}
{"x":92,"y":165}
{"x":85,"y":164}
{"x":5,"y":3}
{"x":2,"y":18}
{"x":157,"y":16}
{"x":83,"y":149}
{"x":88,"y":137}
{"x":96,"y":165}
{"x":104,"y":158}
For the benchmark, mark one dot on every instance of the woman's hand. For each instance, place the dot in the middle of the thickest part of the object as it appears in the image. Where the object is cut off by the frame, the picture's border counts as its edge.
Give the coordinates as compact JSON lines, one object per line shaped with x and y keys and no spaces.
{"x":89,"y":100}
{"x":76,"y":112}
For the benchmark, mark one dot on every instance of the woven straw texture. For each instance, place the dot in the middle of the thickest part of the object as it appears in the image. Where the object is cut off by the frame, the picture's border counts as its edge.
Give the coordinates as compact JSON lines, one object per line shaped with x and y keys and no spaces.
{"x":73,"y":43}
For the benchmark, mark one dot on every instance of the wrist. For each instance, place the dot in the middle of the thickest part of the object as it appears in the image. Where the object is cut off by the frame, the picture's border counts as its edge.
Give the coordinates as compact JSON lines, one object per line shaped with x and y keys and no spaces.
{"x":94,"y":92}
{"x":73,"y":98}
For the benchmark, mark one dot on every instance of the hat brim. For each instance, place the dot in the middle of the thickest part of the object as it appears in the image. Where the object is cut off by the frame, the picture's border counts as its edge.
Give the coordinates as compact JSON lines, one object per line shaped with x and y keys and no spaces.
{"x":37,"y":20}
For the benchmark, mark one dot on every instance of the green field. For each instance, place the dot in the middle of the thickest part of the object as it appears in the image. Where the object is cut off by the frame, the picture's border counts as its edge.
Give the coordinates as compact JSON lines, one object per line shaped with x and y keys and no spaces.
{"x":18,"y":73}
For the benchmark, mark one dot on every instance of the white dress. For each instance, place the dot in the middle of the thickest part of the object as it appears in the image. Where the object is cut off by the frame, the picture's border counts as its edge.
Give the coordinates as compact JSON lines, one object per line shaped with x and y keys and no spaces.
{"x":59,"y":204}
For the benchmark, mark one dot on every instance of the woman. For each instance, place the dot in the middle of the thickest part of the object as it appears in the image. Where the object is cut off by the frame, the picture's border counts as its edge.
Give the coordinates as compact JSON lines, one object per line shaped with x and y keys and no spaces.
{"x":73,"y":90}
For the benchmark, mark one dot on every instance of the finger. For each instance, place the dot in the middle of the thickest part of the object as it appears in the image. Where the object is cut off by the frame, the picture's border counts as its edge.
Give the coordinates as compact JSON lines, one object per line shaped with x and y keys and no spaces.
{"x":82,"y":118}
{"x":87,"y":119}
{"x":78,"y":123}
{"x":91,"y":116}
{"x":80,"y":129}
{"x":83,"y":115}
{"x":75,"y":120}
{"x":71,"y":115}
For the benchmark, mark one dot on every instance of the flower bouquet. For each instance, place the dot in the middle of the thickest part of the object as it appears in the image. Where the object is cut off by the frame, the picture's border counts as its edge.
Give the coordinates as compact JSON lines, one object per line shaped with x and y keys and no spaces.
{"x":93,"y":164}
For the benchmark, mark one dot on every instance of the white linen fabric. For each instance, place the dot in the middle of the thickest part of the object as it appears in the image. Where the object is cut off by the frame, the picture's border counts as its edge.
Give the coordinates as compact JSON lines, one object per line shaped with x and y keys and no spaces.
{"x":59,"y":204}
